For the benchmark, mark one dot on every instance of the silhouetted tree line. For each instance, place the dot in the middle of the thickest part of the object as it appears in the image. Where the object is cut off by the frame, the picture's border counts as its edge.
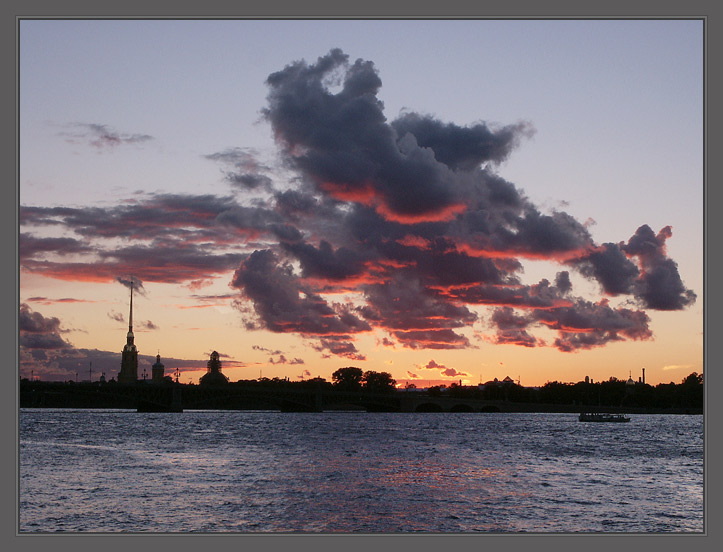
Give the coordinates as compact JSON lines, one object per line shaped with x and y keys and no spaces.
{"x":350,"y":379}
{"x":610,"y":393}
{"x":615,"y":392}
{"x":354,"y":379}
{"x":688,"y":394}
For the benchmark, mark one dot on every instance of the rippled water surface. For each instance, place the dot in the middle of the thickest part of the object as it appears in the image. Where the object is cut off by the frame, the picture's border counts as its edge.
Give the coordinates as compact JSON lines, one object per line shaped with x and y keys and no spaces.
{"x":111,"y":471}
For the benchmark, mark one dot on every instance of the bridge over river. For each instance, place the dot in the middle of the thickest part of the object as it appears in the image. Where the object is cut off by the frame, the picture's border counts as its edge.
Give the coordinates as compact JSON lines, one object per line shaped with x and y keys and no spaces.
{"x":292,"y":398}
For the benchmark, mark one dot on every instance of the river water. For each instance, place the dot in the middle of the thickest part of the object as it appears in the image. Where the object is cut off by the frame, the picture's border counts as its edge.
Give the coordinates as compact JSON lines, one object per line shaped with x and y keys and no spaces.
{"x":354,"y":472}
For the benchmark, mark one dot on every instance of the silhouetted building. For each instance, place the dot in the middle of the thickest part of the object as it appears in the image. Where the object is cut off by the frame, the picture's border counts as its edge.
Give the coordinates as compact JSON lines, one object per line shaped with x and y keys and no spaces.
{"x":157,"y":370}
{"x":129,"y":361}
{"x":630,"y":384}
{"x":508,"y":380}
{"x":213,"y":375}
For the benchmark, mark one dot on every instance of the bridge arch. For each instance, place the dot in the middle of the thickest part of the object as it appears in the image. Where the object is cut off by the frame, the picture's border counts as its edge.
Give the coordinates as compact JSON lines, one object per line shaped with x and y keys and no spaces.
{"x":461,"y":407}
{"x":428,"y":407}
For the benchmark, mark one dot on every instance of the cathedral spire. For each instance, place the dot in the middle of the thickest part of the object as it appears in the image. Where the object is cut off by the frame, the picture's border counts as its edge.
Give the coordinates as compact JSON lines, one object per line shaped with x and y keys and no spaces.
{"x":130,"y":337}
{"x":130,"y":318}
{"x":129,"y":360}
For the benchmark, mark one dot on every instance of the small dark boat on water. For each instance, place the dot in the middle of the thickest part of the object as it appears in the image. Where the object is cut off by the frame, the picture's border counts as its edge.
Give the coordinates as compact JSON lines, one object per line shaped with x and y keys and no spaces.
{"x":602,"y":417}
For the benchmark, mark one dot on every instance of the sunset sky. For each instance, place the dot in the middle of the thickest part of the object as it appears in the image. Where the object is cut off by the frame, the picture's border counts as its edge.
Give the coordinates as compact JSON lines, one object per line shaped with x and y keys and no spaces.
{"x":441,"y":200}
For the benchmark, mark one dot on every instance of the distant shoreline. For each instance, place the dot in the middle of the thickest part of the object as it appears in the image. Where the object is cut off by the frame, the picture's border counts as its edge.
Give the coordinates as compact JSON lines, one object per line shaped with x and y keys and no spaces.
{"x":316,"y":397}
{"x":528,"y":409}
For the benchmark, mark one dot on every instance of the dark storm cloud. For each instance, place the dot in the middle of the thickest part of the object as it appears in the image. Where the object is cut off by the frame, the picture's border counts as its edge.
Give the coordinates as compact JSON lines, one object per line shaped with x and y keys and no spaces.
{"x":461,"y":147}
{"x":611,"y":268}
{"x":405,"y":215}
{"x":291,"y":203}
{"x":283,"y":304}
{"x":440,"y":263}
{"x":505,"y":318}
{"x":662,"y":289}
{"x":660,"y":286}
{"x":585,"y":315}
{"x":512,"y":328}
{"x":517,"y":337}
{"x":588,"y":324}
{"x":582,"y":325}
{"x":42,"y":341}
{"x":343,"y":143}
{"x":547,"y":234}
{"x":102,"y":136}
{"x":570,"y":342}
{"x":39,"y":338}
{"x":31,"y":322}
{"x":415,"y":316}
{"x":325,"y":262}
{"x":655,"y":281}
{"x":562,"y":281}
{"x":416,"y":243}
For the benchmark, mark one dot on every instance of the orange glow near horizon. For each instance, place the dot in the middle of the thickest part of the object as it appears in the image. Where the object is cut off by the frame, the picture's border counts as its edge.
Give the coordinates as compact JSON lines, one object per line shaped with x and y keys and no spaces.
{"x":220,"y":327}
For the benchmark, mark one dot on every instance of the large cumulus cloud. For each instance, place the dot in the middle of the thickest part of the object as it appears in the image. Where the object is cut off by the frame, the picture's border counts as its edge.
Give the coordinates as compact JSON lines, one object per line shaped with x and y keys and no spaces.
{"x":426,"y":229}
{"x":401,"y":227}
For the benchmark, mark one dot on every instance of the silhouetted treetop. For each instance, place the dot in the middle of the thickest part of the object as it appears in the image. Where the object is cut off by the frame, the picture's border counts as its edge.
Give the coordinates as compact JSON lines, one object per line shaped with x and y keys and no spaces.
{"x":379,"y":382}
{"x":348,"y":379}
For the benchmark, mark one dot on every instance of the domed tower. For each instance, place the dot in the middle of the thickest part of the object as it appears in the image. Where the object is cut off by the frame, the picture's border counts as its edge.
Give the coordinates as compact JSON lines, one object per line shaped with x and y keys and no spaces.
{"x":157,"y":370}
{"x":213,"y":375}
{"x":129,"y":361}
{"x":630,"y":384}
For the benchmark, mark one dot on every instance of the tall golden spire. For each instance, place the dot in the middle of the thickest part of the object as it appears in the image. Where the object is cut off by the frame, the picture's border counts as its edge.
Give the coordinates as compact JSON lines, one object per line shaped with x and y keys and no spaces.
{"x":130,"y":337}
{"x":130,"y":318}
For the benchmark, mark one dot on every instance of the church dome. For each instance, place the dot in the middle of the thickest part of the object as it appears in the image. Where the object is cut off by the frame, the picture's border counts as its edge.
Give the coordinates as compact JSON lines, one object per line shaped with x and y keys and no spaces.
{"x":213,"y":375}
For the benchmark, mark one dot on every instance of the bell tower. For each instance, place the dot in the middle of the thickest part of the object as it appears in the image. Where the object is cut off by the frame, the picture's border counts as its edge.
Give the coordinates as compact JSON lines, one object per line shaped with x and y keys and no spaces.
{"x":157,"y":370}
{"x":129,"y":361}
